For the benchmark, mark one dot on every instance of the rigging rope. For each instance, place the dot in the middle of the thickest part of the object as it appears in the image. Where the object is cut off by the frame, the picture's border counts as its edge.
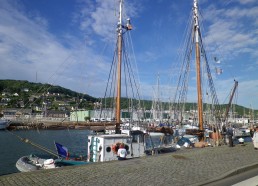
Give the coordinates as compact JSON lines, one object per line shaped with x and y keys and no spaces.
{"x":182,"y":85}
{"x":129,"y":84}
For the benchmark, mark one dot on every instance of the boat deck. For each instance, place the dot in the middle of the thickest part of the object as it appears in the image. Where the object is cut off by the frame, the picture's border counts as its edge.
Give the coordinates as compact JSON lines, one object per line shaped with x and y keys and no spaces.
{"x":183,"y":167}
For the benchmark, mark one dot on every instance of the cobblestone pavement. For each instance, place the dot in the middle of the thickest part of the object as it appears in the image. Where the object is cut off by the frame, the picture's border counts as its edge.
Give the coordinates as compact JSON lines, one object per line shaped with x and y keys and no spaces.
{"x":183,"y":167}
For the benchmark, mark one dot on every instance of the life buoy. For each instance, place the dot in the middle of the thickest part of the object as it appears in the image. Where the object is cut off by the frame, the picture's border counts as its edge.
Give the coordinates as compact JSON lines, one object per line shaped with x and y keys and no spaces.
{"x":115,"y":147}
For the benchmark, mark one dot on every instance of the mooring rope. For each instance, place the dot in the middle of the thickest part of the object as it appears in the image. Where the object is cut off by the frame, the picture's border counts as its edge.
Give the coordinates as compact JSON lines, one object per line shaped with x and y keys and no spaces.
{"x":26,"y":140}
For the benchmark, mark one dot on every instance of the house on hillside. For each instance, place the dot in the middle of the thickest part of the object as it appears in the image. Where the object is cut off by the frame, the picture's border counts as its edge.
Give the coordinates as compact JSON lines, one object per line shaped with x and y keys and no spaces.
{"x":25,"y":90}
{"x":16,"y":113}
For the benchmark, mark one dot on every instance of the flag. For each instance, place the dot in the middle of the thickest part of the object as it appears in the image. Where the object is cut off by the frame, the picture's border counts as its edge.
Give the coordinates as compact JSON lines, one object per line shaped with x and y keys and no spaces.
{"x":62,"y":150}
{"x":218,"y":71}
{"x":216,"y":60}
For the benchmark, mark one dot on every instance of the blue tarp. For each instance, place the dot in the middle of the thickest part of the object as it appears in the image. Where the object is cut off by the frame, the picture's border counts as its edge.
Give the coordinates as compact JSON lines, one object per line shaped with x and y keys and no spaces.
{"x":183,"y":140}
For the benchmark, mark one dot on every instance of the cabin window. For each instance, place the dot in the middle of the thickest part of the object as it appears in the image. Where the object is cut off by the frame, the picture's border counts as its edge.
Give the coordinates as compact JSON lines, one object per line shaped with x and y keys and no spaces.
{"x":141,"y":139}
{"x":137,"y":138}
{"x":108,"y":149}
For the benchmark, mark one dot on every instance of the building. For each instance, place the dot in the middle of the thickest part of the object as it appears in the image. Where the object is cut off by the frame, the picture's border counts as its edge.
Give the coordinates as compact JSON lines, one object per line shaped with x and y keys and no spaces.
{"x":80,"y":115}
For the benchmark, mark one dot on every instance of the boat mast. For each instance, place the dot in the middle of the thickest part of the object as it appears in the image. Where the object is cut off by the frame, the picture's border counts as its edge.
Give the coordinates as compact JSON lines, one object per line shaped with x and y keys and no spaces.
{"x":119,"y":53}
{"x":198,"y":69}
{"x":120,"y":28}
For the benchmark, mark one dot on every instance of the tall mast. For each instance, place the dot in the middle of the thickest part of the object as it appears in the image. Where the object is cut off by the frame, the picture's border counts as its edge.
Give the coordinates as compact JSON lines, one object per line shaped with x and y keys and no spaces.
{"x":198,"y":69}
{"x":120,"y":28}
{"x":119,"y":53}
{"x":158,"y":103}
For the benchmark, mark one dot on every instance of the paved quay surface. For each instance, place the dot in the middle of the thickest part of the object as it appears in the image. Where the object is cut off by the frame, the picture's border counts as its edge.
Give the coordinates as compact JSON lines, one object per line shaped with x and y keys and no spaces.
{"x":183,"y":167}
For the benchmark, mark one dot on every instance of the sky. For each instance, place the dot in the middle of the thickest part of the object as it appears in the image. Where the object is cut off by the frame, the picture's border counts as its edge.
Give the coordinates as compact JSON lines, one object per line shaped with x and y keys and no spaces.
{"x":70,"y":43}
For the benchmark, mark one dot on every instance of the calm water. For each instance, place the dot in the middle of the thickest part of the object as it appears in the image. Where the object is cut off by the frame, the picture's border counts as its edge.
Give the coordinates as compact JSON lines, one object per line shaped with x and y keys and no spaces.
{"x":12,"y":148}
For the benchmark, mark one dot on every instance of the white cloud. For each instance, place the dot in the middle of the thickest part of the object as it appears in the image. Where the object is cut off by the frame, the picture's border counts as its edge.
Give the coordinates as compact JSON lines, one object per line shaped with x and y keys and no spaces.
{"x":247,"y":1}
{"x":242,"y":12}
{"x":247,"y":93}
{"x":27,"y":49}
{"x":101,"y":17}
{"x":231,"y":30}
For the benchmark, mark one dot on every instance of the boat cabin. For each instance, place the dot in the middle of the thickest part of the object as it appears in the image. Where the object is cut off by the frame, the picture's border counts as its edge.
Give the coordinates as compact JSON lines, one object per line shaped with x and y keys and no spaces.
{"x":137,"y":143}
{"x":104,"y":147}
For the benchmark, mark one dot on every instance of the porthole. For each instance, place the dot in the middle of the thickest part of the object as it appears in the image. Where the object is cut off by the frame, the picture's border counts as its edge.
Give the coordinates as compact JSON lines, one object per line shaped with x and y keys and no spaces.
{"x":108,"y":149}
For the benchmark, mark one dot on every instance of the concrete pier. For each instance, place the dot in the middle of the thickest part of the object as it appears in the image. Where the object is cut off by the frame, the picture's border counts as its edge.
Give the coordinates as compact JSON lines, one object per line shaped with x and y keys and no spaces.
{"x":197,"y":166}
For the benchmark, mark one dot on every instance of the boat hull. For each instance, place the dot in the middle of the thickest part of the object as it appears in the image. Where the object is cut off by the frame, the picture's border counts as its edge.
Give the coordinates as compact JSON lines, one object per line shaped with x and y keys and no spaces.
{"x":3,"y":124}
{"x":29,"y":163}
{"x":33,"y":163}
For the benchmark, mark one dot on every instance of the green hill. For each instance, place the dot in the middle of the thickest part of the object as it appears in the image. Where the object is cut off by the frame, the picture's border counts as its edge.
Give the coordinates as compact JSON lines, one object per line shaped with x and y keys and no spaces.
{"x":26,"y":89}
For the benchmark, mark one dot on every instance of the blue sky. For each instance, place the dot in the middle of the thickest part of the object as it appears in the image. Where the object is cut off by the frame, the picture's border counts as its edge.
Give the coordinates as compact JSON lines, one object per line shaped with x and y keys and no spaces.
{"x":70,"y":43}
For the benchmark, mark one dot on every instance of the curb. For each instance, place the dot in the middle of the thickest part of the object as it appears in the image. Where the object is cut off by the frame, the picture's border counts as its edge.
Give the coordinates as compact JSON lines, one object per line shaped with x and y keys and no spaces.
{"x":229,"y":174}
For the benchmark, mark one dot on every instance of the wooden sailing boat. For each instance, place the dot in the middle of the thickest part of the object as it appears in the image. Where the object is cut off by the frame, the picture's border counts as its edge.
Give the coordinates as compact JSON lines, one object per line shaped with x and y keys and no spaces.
{"x":104,"y":147}
{"x":194,"y":42}
{"x":137,"y":142}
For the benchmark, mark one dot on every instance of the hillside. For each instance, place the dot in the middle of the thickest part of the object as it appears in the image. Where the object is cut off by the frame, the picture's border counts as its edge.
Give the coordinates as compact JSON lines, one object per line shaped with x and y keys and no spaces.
{"x":17,"y":86}
{"x":21,"y":92}
{"x":26,"y":89}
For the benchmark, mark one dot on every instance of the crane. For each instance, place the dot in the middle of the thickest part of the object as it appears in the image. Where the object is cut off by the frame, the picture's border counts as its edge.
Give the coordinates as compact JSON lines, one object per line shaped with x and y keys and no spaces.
{"x":230,"y":101}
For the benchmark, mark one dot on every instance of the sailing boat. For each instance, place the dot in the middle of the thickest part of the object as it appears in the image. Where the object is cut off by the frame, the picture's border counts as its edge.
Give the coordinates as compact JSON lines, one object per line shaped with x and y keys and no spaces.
{"x":157,"y":115}
{"x":195,"y":51}
{"x":137,"y":142}
{"x":105,"y":147}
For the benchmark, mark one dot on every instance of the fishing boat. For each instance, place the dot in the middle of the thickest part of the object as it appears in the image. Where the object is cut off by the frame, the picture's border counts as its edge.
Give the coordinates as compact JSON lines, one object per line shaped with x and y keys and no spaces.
{"x":136,"y":138}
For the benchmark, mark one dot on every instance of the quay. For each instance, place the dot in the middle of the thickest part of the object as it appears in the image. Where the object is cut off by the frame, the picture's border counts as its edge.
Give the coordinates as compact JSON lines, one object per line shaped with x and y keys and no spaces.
{"x":59,"y":125}
{"x":197,"y":166}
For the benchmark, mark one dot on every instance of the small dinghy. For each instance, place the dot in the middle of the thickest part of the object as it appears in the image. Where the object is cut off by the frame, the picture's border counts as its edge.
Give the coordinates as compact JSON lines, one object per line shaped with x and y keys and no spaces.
{"x":33,"y":163}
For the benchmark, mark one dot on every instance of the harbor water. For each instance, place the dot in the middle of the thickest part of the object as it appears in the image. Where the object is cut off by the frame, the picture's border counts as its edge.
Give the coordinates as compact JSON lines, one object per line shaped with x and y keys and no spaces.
{"x":12,"y":147}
